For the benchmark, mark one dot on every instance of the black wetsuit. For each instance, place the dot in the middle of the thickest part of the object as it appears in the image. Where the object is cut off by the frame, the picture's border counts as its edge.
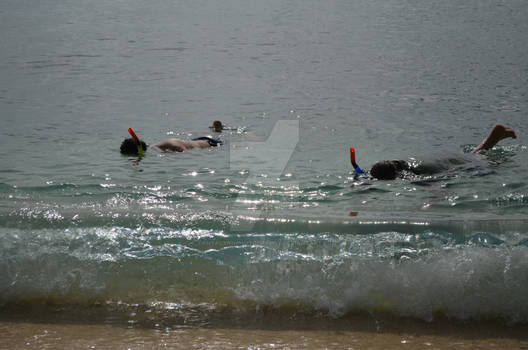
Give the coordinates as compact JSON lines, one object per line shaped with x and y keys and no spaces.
{"x":212,"y":142}
{"x":392,"y":169}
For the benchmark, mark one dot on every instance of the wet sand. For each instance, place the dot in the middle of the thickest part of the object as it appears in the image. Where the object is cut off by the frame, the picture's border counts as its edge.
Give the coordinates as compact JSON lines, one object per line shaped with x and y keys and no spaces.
{"x":73,"y":336}
{"x":42,"y":327}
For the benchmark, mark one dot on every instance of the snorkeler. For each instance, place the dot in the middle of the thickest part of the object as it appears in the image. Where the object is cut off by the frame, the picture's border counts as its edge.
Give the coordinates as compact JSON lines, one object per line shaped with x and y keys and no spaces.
{"x":134,"y":146}
{"x":391,"y":169}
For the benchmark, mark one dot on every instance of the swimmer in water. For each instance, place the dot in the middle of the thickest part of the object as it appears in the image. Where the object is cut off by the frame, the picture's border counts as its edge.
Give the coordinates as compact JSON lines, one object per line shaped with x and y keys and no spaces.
{"x":391,"y":169}
{"x":129,"y":146}
{"x":217,"y":126}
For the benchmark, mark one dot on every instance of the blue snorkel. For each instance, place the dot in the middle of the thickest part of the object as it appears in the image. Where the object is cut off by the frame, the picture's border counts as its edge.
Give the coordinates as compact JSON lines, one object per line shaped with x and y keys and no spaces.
{"x":353,"y":161}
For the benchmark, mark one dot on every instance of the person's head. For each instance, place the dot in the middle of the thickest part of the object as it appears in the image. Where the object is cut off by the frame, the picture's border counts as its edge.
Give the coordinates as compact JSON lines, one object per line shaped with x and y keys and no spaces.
{"x":388,"y":169}
{"x":129,"y":146}
{"x":217,"y":126}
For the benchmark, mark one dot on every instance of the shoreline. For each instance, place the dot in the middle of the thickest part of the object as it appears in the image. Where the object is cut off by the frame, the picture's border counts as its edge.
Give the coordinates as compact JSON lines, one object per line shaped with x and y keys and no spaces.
{"x":18,"y":335}
{"x":99,"y":328}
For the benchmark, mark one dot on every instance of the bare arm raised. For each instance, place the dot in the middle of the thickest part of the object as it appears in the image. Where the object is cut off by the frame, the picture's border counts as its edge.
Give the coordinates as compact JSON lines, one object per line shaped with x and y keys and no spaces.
{"x":498,"y":133}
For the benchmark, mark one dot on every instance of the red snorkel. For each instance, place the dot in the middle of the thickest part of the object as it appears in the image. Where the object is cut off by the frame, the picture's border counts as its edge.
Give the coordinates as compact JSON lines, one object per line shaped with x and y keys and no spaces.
{"x":353,"y":161}
{"x":138,"y":144}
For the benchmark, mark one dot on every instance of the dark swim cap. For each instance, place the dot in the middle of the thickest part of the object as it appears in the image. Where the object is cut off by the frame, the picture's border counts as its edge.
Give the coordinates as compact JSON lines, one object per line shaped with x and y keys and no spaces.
{"x":129,"y":146}
{"x":388,"y":169}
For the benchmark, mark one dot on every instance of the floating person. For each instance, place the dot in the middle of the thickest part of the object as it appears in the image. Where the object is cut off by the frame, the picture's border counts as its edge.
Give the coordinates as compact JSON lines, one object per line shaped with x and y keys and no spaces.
{"x":391,"y":169}
{"x":179,"y":145}
{"x":135,"y":146}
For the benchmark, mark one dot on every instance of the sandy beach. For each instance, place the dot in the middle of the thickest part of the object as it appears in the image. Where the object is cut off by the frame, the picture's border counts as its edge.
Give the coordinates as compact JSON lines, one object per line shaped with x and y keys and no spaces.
{"x":71,"y":336}
{"x":95,"y":328}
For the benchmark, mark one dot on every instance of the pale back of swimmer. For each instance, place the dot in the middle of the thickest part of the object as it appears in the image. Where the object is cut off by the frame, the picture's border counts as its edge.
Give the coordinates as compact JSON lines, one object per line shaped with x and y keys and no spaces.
{"x":179,"y":145}
{"x":129,"y":146}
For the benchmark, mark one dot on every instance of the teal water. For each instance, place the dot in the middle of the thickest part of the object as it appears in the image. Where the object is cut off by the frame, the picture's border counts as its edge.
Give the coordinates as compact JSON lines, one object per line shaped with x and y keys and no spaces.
{"x":275,"y":220}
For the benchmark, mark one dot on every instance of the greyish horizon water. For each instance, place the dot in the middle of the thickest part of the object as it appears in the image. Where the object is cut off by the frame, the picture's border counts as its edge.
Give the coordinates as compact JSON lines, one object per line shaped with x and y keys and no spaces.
{"x":273,"y":227}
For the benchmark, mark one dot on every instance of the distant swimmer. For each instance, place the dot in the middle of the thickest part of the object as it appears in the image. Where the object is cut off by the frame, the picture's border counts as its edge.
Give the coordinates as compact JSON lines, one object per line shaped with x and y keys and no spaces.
{"x":391,"y":169}
{"x":217,"y":126}
{"x":135,"y":146}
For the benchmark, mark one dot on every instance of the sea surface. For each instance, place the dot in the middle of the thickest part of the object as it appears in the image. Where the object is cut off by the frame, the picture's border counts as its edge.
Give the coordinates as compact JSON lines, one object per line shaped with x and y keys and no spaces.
{"x":274,"y":224}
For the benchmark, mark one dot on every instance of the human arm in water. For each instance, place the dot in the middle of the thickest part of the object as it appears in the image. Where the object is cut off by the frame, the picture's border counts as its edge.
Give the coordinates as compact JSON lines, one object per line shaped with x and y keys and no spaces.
{"x":498,"y":133}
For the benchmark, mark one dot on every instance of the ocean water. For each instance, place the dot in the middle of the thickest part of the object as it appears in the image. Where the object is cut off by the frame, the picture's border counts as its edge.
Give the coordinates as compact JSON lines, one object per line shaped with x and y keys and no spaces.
{"x":273,"y":224}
